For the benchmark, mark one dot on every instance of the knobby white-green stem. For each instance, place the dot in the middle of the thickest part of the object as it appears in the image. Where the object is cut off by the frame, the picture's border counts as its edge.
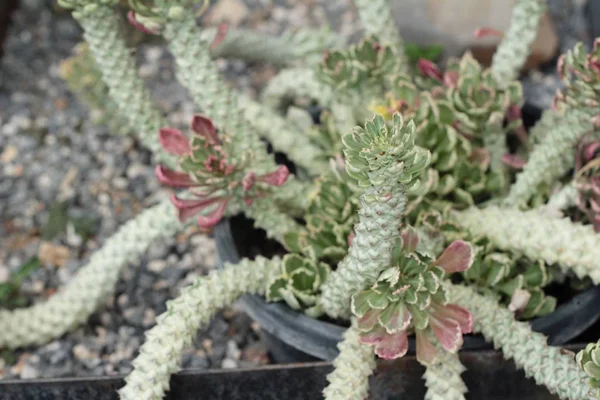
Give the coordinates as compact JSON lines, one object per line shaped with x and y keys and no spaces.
{"x":352,"y":368}
{"x":443,"y":379}
{"x":547,"y":365}
{"x":551,"y":158}
{"x":93,"y":284}
{"x":160,"y":355}
{"x":516,"y":43}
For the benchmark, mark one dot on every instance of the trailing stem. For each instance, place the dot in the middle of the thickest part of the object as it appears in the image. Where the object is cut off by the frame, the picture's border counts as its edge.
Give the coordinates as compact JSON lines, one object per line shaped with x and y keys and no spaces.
{"x":160,"y":355}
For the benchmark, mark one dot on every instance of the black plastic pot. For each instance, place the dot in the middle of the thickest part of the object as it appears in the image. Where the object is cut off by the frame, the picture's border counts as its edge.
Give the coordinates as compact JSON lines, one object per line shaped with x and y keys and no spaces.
{"x":294,"y":337}
{"x":488,"y":376}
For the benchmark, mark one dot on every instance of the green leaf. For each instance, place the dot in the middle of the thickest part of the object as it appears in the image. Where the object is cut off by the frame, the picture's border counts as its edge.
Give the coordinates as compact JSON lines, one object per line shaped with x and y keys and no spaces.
{"x":415,"y":52}
{"x":291,"y":241}
{"x":303,"y":280}
{"x":274,"y":287}
{"x":292,"y":262}
{"x":86,"y":225}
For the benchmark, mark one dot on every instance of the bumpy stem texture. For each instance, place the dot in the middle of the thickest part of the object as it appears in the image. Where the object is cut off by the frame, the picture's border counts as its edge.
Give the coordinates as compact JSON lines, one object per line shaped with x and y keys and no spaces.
{"x":119,"y":72}
{"x":375,"y":235}
{"x":545,"y":124}
{"x":376,"y":19}
{"x":551,"y":158}
{"x":566,"y":197}
{"x":74,"y":303}
{"x":443,"y":379}
{"x":160,"y":355}
{"x":199,"y":74}
{"x":495,"y":142}
{"x":353,"y":366}
{"x":284,"y":137}
{"x":547,"y":365}
{"x":538,"y":235}
{"x":255,"y":46}
{"x":295,"y":83}
{"x":516,"y":44}
{"x":276,"y":224}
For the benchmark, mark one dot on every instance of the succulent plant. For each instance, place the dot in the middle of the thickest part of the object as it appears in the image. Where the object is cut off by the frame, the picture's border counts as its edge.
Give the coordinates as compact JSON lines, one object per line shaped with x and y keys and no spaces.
{"x":587,"y":180}
{"x":589,"y":360}
{"x":209,"y":174}
{"x":518,"y":282}
{"x":366,"y":63}
{"x":298,"y":282}
{"x":476,"y":97}
{"x":580,"y":73}
{"x":330,"y":216}
{"x":409,"y":296}
{"x":512,"y":279}
{"x":84,"y":78}
{"x":390,"y":282}
{"x":460,"y":170}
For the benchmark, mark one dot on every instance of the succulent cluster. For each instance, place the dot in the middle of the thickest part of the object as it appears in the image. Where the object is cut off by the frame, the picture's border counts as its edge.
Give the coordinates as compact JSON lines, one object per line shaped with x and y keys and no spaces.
{"x":580,"y":73}
{"x":365,"y":64}
{"x":410,"y":296}
{"x":515,"y":280}
{"x":477,"y":97}
{"x":369,"y":161}
{"x":589,"y":360}
{"x":211,"y":176}
{"x":454,"y":112}
{"x":330,"y":217}
{"x":587,"y":180}
{"x":150,"y":15}
{"x":298,"y":282}
{"x":83,"y":77}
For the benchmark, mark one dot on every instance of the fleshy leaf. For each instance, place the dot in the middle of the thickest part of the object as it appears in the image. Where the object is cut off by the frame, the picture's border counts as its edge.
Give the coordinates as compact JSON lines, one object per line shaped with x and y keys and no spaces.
{"x":173,"y":178}
{"x":174,"y":142}
{"x":426,"y":352}
{"x":457,"y":257}
{"x":392,"y":346}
